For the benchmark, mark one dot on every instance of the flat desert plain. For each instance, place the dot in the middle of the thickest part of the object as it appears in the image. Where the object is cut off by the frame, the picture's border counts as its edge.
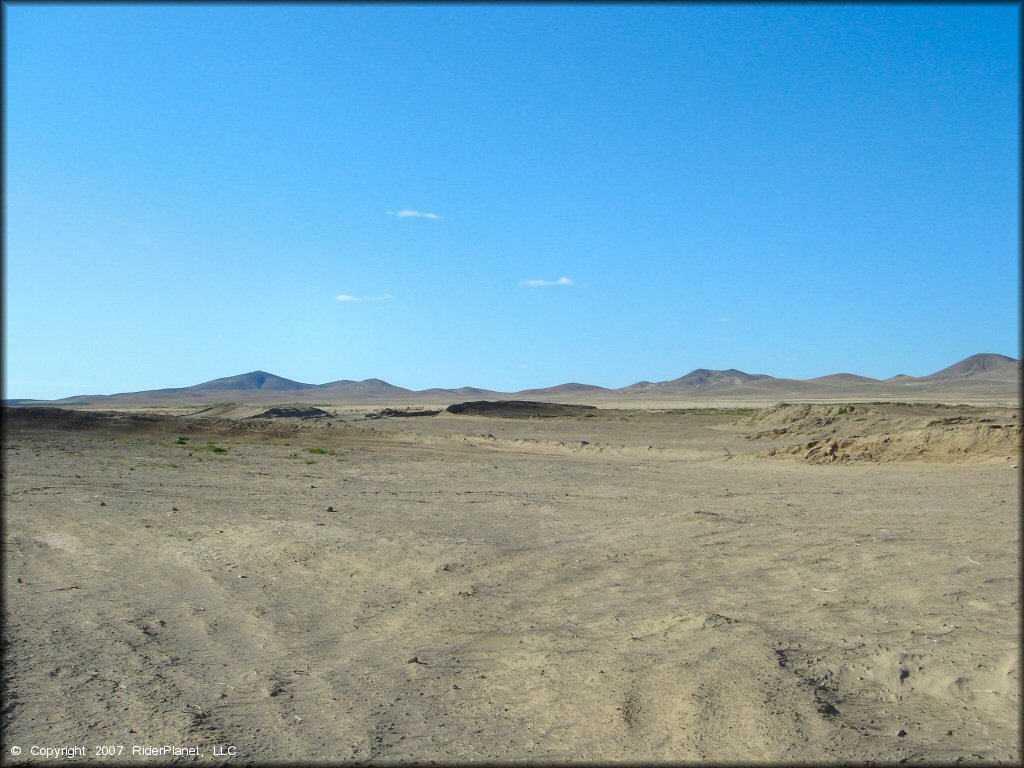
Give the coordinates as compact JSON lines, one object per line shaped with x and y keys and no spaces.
{"x":793,"y":583}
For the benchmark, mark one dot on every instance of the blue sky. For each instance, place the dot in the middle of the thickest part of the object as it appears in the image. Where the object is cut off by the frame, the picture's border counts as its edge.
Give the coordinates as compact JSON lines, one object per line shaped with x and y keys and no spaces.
{"x":786,"y":189}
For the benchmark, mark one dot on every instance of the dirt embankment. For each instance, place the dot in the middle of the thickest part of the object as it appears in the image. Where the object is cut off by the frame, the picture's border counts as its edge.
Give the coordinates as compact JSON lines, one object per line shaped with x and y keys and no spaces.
{"x":889,"y":432}
{"x":61,"y":419}
{"x":519,"y":409}
{"x":294,"y":413}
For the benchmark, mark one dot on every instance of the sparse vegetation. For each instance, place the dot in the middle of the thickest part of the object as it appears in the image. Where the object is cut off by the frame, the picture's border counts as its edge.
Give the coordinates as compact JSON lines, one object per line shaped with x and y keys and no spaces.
{"x":210,"y":446}
{"x":321,"y":451}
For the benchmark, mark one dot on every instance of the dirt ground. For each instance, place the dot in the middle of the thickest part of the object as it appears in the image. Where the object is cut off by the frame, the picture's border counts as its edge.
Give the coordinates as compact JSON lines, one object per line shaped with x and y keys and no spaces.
{"x":623,"y":585}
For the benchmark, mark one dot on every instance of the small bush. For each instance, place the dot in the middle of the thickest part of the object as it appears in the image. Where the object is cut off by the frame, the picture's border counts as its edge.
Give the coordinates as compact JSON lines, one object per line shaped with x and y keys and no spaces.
{"x":208,"y":447}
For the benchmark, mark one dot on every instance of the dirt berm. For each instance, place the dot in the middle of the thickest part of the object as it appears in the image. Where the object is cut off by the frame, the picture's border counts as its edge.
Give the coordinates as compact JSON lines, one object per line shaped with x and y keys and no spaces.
{"x":519,"y":409}
{"x":889,"y":432}
{"x":284,"y":413}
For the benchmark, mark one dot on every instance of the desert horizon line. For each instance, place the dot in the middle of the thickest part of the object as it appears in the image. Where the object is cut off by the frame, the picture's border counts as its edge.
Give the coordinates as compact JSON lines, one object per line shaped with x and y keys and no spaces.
{"x":972,"y":363}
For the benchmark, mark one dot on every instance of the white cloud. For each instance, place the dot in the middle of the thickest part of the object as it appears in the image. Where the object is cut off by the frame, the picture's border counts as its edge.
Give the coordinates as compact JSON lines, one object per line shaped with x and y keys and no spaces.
{"x":541,"y":283}
{"x":405,"y":213}
{"x":346,"y":297}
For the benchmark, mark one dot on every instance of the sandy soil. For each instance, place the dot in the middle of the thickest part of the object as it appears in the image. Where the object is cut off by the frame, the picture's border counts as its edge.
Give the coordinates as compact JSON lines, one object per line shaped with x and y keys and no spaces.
{"x":624,"y":586}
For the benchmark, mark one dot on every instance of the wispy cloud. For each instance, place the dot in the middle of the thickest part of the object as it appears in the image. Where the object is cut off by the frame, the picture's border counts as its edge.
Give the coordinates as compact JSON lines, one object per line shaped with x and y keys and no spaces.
{"x":346,"y":297}
{"x":541,"y":283}
{"x":406,"y":213}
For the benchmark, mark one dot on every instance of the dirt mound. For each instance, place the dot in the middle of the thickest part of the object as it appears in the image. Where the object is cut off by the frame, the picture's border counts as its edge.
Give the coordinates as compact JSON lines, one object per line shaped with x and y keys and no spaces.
{"x":388,"y":412}
{"x":518,"y":409}
{"x":67,"y":418}
{"x":291,"y":413}
{"x":803,"y":419}
{"x":17,"y":420}
{"x":855,"y":433}
{"x":952,"y":443}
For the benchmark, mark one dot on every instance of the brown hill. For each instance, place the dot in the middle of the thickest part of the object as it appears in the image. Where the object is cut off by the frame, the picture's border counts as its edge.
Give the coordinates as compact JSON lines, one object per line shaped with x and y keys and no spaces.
{"x":699,"y":379}
{"x":844,"y":378}
{"x":572,"y":388}
{"x":247,"y":381}
{"x":365,"y":388}
{"x":987,"y":365}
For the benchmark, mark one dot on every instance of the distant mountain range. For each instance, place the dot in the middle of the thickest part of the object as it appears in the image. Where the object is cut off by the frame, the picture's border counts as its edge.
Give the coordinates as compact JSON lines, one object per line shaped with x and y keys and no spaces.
{"x":983,"y":374}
